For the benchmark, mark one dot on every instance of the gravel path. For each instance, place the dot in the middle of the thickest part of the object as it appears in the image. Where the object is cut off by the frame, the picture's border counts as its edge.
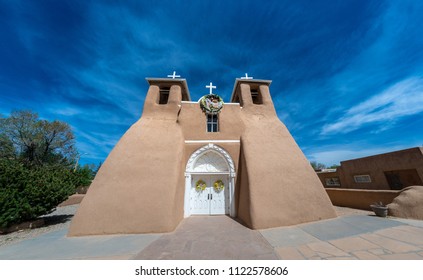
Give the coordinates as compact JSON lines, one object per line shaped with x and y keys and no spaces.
{"x":59,"y":219}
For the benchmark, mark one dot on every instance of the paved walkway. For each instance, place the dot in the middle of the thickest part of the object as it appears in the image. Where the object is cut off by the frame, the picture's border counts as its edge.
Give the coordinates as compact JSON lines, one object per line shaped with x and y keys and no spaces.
{"x":56,"y":246}
{"x":353,"y":236}
{"x":349,"y":237}
{"x":210,"y":238}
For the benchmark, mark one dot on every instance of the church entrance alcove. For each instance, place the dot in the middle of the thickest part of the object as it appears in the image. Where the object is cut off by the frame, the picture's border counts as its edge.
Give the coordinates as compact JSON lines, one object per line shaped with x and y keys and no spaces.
{"x":210,"y":200}
{"x":209,"y":183}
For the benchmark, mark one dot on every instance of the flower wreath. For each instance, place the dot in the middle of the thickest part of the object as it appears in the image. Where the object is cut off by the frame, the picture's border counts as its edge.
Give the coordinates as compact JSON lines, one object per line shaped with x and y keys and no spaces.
{"x":211,"y":103}
{"x":218,"y":186}
{"x":200,"y":186}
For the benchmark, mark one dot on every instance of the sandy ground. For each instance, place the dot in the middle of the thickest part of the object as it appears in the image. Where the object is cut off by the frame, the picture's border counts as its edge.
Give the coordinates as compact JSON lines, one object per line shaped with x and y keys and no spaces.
{"x":59,"y":219}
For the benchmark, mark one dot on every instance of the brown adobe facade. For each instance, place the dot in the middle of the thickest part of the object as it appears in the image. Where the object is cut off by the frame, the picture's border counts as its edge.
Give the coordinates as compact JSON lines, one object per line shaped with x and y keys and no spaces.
{"x":389,"y":171}
{"x":178,"y":160}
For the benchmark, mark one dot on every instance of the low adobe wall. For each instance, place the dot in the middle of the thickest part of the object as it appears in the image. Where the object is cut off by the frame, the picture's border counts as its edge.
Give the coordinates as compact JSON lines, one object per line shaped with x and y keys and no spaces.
{"x":360,"y":199}
{"x":408,"y":204}
{"x":72,"y":200}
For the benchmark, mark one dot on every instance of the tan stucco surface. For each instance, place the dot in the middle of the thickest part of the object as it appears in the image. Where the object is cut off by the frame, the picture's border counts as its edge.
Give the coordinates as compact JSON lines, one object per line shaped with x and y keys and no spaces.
{"x":192,"y":121}
{"x":377,"y":165}
{"x":140,"y":187}
{"x":278,"y":186}
{"x":359,"y":198}
{"x":73,"y":199}
{"x":408,"y":204}
{"x":324,"y":175}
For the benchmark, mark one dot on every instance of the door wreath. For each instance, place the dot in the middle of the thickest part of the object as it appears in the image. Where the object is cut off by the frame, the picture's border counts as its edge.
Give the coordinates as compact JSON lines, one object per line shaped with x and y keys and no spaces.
{"x":218,"y":186}
{"x":200,"y":186}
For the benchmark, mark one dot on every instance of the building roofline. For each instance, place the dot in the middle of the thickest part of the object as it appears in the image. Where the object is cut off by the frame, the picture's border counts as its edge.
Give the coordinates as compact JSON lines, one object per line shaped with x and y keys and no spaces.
{"x":247,"y":81}
{"x":327,"y":170}
{"x":170,"y":81}
{"x":384,"y":154}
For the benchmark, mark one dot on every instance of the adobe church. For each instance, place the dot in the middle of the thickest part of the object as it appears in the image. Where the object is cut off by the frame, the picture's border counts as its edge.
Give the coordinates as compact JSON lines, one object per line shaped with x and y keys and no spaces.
{"x":210,"y":157}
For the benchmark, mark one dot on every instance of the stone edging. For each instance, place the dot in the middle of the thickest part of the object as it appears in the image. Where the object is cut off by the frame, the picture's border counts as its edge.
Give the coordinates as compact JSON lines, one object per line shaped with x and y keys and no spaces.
{"x":25,"y":225}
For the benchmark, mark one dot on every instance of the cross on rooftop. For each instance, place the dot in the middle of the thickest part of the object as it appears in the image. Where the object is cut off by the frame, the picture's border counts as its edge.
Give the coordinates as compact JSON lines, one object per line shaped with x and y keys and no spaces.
{"x":173,"y":76}
{"x":211,"y":87}
{"x":246,"y":77}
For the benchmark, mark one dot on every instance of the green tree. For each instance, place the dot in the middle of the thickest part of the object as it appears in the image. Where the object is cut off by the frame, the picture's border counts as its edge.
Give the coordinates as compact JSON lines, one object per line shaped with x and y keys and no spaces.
{"x":37,"y":142}
{"x":7,"y":150}
{"x":84,"y":175}
{"x":317,"y":165}
{"x":26,"y":192}
{"x":37,"y":159}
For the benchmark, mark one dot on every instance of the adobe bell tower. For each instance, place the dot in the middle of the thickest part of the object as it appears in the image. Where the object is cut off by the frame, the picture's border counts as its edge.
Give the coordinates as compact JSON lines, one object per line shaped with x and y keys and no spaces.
{"x":277,"y":186}
{"x":138,"y":188}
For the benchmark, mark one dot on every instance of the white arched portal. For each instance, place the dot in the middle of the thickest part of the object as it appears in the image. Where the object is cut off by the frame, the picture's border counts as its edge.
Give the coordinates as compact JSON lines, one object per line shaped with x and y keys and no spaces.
{"x":210,"y":163}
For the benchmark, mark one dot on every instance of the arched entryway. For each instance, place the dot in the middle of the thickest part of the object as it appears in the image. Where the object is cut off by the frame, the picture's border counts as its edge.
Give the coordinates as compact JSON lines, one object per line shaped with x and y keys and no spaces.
{"x":209,"y":182}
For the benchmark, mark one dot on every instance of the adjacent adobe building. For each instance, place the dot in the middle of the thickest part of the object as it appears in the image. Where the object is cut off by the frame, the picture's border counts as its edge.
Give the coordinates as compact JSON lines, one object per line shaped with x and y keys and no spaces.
{"x":390,"y":171}
{"x":184,"y":158}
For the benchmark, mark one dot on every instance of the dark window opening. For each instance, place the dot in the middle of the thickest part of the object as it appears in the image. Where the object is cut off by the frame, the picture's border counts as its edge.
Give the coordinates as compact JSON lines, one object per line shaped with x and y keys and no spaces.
{"x":212,"y":123}
{"x":399,"y":179}
{"x":164,"y":95}
{"x":333,"y":182}
{"x":256,"y":96}
{"x":362,"y":178}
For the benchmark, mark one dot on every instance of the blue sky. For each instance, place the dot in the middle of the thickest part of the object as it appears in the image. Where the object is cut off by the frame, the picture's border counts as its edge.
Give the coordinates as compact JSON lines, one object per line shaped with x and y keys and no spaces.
{"x":347,"y":75}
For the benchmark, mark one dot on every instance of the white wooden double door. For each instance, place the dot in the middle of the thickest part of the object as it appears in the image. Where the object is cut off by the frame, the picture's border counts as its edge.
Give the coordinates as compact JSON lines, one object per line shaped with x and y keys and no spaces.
{"x":209,"y":201}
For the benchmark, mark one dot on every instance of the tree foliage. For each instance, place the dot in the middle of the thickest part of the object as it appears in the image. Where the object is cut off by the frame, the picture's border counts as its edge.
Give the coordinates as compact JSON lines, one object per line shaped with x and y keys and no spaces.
{"x":26,"y":193}
{"x":317,"y":165}
{"x":84,"y":175}
{"x":35,"y":141}
{"x":37,"y":166}
{"x":7,"y":150}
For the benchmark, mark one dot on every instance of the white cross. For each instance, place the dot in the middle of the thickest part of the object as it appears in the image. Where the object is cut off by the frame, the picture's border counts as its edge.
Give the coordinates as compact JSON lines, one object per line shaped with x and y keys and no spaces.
{"x":211,"y":87}
{"x":173,"y":76}
{"x":246,"y":77}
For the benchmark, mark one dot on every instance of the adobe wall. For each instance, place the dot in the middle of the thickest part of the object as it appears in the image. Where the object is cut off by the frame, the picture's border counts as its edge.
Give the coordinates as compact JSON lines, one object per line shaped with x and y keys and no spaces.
{"x":278,"y":187}
{"x":404,"y":203}
{"x":360,"y":199}
{"x":408,"y":204}
{"x":375,"y":166}
{"x":327,"y":175}
{"x":193,"y":124}
{"x":138,"y":188}
{"x":72,"y":200}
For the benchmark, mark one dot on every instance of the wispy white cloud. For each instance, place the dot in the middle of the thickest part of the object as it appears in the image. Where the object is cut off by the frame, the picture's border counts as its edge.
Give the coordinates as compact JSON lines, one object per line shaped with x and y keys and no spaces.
{"x":63,"y":111}
{"x":403,"y":99}
{"x":94,"y":144}
{"x":86,"y":62}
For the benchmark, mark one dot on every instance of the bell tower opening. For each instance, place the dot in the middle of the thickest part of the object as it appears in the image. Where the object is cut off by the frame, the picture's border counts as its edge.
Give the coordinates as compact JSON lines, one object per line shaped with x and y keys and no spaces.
{"x":256,"y":96}
{"x":164,"y":95}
